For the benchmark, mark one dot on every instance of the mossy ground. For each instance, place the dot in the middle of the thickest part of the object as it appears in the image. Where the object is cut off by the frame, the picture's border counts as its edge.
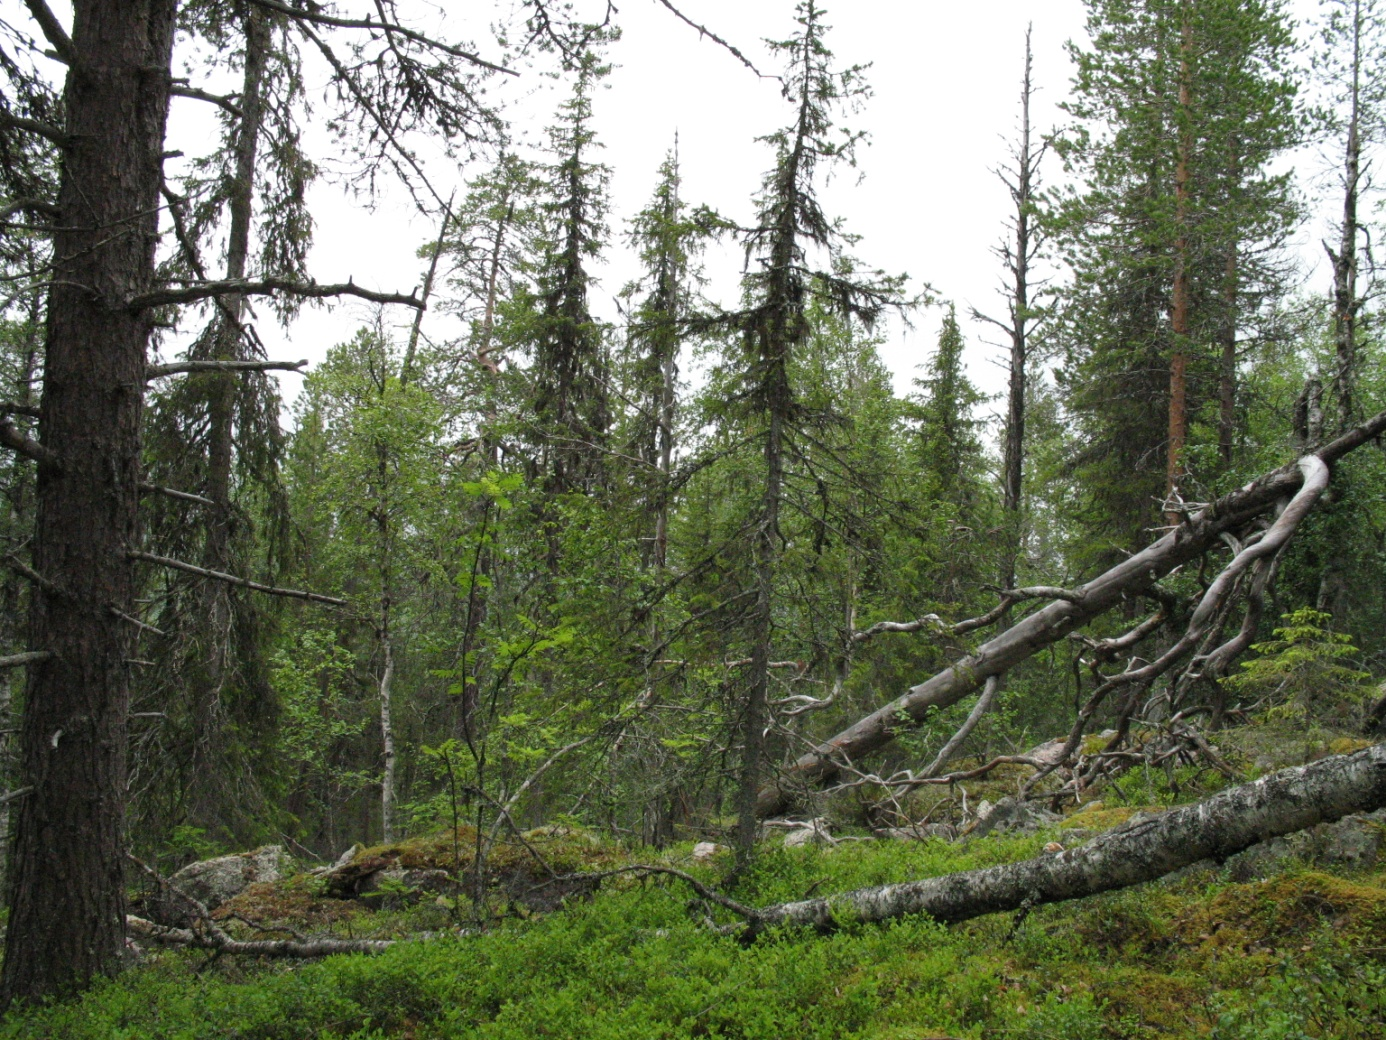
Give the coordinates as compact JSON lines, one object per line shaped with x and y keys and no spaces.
{"x":1195,"y":956}
{"x":1299,"y":955}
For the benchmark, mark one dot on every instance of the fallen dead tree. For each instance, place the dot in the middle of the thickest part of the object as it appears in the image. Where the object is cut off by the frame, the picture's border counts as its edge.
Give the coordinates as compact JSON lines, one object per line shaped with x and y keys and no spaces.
{"x":1142,"y":850}
{"x":1069,"y":610}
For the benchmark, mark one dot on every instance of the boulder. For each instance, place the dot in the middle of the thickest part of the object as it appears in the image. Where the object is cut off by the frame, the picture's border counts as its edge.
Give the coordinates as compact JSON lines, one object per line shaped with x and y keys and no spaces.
{"x":394,"y":887}
{"x":1353,"y":843}
{"x":1010,"y":815}
{"x":815,"y":832}
{"x":213,"y":882}
{"x":706,"y":850}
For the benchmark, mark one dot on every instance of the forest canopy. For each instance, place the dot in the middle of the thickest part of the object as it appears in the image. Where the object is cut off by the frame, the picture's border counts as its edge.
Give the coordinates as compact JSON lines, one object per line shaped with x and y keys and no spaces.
{"x":508,"y":562}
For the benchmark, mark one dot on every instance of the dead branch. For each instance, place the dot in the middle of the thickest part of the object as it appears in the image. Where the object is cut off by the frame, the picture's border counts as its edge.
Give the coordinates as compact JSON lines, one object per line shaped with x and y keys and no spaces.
{"x":263,"y":287}
{"x":1141,"y":850}
{"x":186,"y":91}
{"x":318,"y":18}
{"x":979,"y":709}
{"x":704,"y":31}
{"x":182,"y":496}
{"x":12,"y":438}
{"x":53,"y":31}
{"x":231,"y":579}
{"x":179,"y":367}
{"x":20,"y":660}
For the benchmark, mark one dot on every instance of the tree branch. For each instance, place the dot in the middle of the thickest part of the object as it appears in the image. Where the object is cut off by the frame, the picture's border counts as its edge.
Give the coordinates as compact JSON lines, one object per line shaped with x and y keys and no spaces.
{"x":182,"y":496}
{"x":263,"y":287}
{"x":12,"y":438}
{"x":705,"y":31}
{"x":174,"y":368}
{"x":184,"y":90}
{"x":231,"y":579}
{"x":53,"y":31}
{"x":33,"y":126}
{"x":387,"y":27}
{"x":48,"y":209}
{"x":19,"y":660}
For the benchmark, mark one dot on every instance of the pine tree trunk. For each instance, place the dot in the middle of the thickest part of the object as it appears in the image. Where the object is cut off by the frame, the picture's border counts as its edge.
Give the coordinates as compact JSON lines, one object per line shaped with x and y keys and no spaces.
{"x":67,"y":896}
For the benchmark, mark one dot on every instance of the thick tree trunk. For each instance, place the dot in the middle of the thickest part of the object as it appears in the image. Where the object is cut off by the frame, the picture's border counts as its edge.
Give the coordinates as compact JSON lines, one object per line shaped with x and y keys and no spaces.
{"x":1048,"y":625}
{"x":1228,"y":822}
{"x":67,"y":897}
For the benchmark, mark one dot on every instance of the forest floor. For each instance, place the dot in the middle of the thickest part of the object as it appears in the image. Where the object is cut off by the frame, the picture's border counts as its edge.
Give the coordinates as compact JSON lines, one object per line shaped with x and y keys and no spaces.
{"x":1286,"y":942}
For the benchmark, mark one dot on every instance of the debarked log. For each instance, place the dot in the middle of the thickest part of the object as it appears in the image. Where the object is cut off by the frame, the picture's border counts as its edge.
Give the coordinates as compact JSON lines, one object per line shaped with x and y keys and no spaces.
{"x":1141,"y":850}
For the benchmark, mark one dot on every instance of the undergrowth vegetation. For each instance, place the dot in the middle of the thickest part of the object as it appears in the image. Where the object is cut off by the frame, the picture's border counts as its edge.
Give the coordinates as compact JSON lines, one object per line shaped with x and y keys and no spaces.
{"x":1297,"y":955}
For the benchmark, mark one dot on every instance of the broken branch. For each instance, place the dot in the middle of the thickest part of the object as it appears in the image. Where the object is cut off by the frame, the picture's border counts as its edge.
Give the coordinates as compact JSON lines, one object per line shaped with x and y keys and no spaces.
{"x":264,"y":287}
{"x":231,"y":579}
{"x":174,"y":368}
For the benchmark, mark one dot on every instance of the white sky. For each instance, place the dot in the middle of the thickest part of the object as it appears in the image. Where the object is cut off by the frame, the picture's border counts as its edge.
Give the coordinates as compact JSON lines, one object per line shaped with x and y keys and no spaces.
{"x":946,"y":88}
{"x":924,"y":201}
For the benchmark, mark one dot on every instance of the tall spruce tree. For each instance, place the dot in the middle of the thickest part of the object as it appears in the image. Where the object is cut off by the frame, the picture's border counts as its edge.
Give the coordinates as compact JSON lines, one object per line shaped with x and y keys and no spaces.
{"x":791,"y":229}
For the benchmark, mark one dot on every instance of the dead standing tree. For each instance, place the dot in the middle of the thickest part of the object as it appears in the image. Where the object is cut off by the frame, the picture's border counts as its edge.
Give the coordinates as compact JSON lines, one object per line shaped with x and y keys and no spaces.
{"x":1294,"y":488}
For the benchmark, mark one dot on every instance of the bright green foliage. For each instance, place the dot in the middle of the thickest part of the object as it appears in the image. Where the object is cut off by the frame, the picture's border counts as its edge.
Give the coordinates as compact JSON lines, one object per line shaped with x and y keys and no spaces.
{"x":1304,"y":670}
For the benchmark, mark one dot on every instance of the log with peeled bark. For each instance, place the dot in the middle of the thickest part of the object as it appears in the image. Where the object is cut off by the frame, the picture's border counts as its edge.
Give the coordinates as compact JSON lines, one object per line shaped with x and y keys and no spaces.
{"x":1132,"y":577}
{"x":1142,"y":850}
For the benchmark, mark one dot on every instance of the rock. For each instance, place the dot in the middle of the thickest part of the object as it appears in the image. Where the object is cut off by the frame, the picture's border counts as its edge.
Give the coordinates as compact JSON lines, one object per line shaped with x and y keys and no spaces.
{"x":1353,"y":843}
{"x":394,"y":887}
{"x":214,"y":881}
{"x":1011,"y":815}
{"x":946,"y":831}
{"x":815,"y":833}
{"x":706,"y":850}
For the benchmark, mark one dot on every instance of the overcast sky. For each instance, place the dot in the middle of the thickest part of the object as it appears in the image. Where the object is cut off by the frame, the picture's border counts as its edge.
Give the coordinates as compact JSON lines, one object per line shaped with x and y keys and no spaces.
{"x":946,"y":80}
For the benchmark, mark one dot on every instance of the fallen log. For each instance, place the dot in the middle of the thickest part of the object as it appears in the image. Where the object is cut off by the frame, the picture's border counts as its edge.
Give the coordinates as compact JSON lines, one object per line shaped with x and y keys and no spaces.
{"x":1046,"y":626}
{"x":1142,"y":850}
{"x":218,"y":940}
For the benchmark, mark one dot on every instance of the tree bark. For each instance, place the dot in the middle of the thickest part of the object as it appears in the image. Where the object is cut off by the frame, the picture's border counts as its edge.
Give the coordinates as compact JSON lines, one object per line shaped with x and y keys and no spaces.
{"x":1048,"y":625}
{"x":67,"y":897}
{"x":1142,"y":850}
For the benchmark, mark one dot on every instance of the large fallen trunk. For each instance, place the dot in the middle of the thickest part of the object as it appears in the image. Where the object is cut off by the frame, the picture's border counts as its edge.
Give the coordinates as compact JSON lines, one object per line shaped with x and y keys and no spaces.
{"x":1216,"y":828}
{"x":1131,"y":577}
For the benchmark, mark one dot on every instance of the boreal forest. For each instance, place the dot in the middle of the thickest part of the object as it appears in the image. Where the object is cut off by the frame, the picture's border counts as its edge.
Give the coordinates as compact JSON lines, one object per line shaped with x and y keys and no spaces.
{"x":554,"y":657}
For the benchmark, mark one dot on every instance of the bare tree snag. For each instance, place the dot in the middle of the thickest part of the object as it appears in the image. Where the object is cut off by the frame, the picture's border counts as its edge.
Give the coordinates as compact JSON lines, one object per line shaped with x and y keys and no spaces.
{"x":1134,"y":576}
{"x":1142,"y":850}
